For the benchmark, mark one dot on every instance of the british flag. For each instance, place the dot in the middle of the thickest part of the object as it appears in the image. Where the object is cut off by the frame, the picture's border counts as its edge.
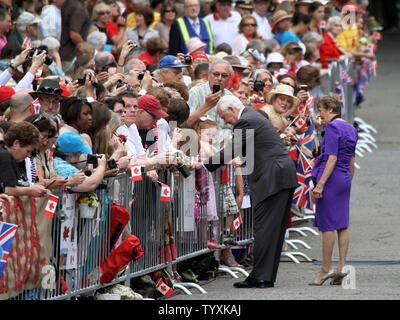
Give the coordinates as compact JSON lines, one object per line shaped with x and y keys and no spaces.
{"x":345,"y":76}
{"x":306,"y":141}
{"x":302,"y":195}
{"x":339,"y":92}
{"x":7,"y":233}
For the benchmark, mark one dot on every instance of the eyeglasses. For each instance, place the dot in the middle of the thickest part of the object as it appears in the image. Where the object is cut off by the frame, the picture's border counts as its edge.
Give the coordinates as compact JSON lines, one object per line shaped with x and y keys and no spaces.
{"x":46,"y":139}
{"x":222,"y":75}
{"x":104,"y":12}
{"x":50,"y":90}
{"x":249,"y":25}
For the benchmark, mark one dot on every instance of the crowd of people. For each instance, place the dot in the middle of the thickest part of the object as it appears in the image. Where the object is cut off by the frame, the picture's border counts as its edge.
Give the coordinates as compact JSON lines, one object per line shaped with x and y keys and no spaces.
{"x":124,"y":81}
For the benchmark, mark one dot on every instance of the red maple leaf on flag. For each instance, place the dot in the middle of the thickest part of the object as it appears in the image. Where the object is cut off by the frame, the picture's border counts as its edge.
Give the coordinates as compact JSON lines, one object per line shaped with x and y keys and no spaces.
{"x":66,"y":233}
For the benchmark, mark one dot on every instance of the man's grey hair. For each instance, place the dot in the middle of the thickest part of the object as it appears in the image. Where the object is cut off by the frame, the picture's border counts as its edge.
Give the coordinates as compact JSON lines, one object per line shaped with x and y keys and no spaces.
{"x":51,"y":43}
{"x":128,"y":65}
{"x":229,"y":101}
{"x":97,"y":39}
{"x":312,"y":36}
{"x":212,"y":64}
{"x":331,"y":21}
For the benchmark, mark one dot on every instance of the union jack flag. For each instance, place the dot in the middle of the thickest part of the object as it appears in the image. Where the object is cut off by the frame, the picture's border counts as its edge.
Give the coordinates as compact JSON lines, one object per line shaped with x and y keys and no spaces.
{"x":345,"y":76}
{"x":306,"y":142}
{"x":7,"y":233}
{"x":339,"y":92}
{"x":302,"y":195}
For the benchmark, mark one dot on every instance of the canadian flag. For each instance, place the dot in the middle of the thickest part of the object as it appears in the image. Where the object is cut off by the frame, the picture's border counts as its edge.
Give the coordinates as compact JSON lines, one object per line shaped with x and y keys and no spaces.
{"x":300,"y":123}
{"x":36,"y":106}
{"x":165,"y":193}
{"x":51,"y":206}
{"x":164,"y":289}
{"x":39,"y":72}
{"x":27,"y":43}
{"x":237,"y":223}
{"x":322,"y":24}
{"x":136,"y":173}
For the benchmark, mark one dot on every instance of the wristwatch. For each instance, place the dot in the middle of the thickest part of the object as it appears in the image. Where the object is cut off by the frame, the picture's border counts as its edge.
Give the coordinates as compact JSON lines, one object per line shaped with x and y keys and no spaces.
{"x":12,"y":67}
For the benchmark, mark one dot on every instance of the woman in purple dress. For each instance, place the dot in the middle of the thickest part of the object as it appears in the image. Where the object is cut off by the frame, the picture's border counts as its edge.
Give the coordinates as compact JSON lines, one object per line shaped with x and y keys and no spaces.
{"x":332,"y":174}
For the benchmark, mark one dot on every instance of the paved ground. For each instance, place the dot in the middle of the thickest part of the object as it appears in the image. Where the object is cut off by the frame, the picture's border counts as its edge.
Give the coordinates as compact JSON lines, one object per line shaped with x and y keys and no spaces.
{"x":375,"y":216}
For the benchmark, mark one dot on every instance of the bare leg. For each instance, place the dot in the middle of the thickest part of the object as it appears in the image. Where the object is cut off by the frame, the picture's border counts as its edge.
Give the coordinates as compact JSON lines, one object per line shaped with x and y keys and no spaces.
{"x":328,"y":241}
{"x":343,"y":242}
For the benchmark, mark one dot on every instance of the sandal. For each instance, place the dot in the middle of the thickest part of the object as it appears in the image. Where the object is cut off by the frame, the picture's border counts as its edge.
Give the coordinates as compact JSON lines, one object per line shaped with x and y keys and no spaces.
{"x":338,"y":278}
{"x":231,"y":262}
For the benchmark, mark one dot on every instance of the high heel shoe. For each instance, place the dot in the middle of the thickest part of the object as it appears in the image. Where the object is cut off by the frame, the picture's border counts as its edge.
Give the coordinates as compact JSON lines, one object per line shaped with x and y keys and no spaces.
{"x":338,"y":278}
{"x":329,"y":275}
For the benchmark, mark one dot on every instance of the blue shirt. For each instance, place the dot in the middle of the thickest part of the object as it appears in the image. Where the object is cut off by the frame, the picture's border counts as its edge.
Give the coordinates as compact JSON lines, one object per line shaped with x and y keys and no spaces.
{"x":289,"y":36}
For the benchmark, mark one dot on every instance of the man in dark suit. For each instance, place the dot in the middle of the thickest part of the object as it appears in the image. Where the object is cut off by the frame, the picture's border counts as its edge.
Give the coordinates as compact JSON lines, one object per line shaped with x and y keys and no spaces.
{"x":272,"y":179}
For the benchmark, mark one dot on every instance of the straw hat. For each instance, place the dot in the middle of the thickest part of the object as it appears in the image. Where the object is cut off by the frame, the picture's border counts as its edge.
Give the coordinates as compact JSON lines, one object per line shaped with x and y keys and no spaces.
{"x":234,"y":61}
{"x":285,"y":90}
{"x":281,"y":15}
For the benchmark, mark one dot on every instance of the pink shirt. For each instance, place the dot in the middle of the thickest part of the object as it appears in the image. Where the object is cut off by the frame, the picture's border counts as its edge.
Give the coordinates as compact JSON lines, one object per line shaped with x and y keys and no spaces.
{"x":3,"y":42}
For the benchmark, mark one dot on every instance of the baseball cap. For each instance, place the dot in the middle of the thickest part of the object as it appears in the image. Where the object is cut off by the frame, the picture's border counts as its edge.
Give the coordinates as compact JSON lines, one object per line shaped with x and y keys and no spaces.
{"x":274,"y":57}
{"x":151,"y":104}
{"x":26,"y":19}
{"x":70,"y":142}
{"x":171,"y":62}
{"x":6,"y":93}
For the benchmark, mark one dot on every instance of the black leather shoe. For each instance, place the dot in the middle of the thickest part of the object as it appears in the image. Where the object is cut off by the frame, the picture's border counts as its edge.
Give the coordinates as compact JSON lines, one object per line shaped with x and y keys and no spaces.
{"x":253,"y":283}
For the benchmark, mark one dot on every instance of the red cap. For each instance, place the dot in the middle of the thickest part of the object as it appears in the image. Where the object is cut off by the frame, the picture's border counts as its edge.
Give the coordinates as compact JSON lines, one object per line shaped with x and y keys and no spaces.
{"x":151,"y":104}
{"x":6,"y":93}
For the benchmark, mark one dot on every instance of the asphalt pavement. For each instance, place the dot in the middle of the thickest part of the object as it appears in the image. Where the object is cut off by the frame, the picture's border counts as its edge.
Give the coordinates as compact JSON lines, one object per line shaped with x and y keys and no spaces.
{"x":373,"y":256}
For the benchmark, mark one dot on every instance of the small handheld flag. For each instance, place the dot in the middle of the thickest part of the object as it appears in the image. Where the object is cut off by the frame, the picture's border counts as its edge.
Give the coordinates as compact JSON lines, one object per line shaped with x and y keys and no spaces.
{"x":51,"y":206}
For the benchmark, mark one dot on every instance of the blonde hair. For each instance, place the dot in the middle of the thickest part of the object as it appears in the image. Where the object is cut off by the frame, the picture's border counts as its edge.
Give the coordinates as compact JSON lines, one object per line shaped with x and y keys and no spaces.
{"x":101,"y":6}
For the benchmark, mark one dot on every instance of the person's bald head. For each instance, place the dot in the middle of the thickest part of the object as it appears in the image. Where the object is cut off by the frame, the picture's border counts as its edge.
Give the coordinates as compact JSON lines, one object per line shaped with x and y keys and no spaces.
{"x":20,"y":105}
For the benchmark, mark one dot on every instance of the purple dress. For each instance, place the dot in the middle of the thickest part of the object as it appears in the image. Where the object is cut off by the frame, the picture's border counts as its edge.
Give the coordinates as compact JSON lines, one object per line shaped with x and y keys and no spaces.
{"x":332,"y":210}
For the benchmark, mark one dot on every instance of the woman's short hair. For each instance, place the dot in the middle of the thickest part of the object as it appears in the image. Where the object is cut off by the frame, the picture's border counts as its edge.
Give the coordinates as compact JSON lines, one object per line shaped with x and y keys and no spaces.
{"x":97,"y":39}
{"x":147,"y":13}
{"x":101,"y":6}
{"x":244,"y":18}
{"x":180,"y":87}
{"x":25,"y":132}
{"x":309,"y":75}
{"x":156,"y":44}
{"x":331,"y":101}
{"x":178,"y":110}
{"x":71,"y":108}
{"x":51,"y":43}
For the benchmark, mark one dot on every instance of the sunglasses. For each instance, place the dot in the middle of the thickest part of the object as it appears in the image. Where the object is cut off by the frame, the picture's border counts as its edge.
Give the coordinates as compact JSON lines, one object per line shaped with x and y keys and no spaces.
{"x":249,"y":25}
{"x":57,"y":91}
{"x":39,"y":118}
{"x":104,"y":12}
{"x":169,"y":10}
{"x":152,"y":114}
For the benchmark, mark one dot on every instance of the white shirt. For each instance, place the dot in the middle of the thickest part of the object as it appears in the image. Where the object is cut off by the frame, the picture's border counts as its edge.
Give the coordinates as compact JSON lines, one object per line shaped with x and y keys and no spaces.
{"x":239,"y":44}
{"x":224,"y":30}
{"x":133,"y":143}
{"x":50,"y":25}
{"x":240,"y":113}
{"x":263,"y":27}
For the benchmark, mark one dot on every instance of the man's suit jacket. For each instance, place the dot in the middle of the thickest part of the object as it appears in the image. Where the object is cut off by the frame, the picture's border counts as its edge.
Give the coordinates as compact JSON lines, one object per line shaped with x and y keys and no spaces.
{"x":273,"y":169}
